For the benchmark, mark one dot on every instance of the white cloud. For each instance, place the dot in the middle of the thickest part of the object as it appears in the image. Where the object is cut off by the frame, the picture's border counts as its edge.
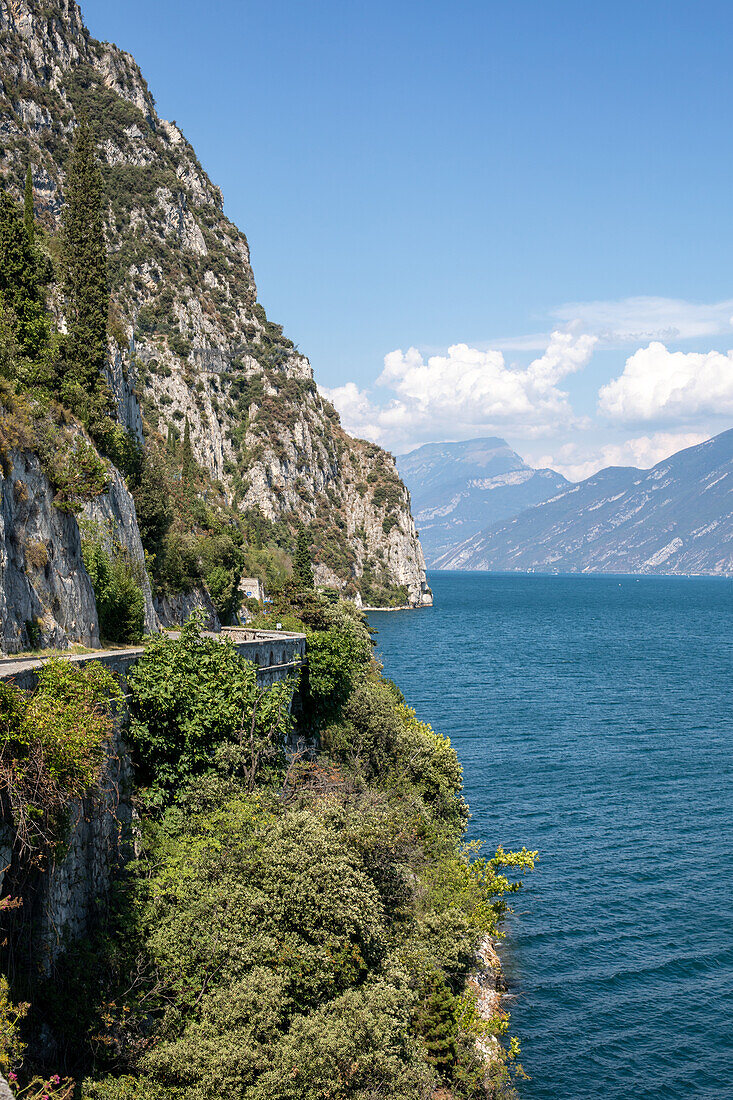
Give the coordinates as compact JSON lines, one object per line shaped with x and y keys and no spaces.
{"x":624,"y":321}
{"x":637,"y":320}
{"x":466,"y":391}
{"x":358,"y":416}
{"x":658,"y":384}
{"x":576,"y":461}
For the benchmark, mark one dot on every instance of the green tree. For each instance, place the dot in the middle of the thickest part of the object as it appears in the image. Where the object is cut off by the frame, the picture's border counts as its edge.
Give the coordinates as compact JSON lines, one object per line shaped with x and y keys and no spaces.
{"x":188,"y":462}
{"x":20,"y":285}
{"x":152,"y":504}
{"x":336,"y":662}
{"x":194,"y":696}
{"x":29,"y":219}
{"x":120,"y":601}
{"x":302,"y":568}
{"x":84,"y":389}
{"x":436,"y":1023}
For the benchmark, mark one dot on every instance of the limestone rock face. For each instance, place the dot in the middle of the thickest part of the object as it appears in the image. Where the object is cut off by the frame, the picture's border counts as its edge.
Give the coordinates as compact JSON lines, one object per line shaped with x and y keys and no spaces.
{"x":46,"y":597}
{"x":44,"y":588}
{"x":99,"y":841}
{"x":198,"y":346}
{"x":174,"y":610}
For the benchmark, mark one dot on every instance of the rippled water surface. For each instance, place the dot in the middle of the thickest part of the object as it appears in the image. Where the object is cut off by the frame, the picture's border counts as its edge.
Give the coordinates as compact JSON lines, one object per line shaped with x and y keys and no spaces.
{"x":594,"y":720}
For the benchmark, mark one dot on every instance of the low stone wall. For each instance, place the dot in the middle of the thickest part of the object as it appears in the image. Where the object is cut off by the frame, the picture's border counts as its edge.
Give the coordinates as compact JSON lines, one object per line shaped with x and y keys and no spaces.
{"x":277,"y":654}
{"x":101,"y":836}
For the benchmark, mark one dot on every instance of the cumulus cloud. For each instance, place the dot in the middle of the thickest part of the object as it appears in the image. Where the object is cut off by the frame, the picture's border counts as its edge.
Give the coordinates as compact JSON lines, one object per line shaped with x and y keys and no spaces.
{"x":466,"y":391}
{"x":579,"y":460}
{"x":637,"y":320}
{"x":658,"y":385}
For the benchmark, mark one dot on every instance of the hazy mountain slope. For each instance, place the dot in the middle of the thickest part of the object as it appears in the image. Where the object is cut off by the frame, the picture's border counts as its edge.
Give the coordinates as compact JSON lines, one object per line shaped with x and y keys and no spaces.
{"x":458,"y":489}
{"x":191,"y":340}
{"x":674,"y":518}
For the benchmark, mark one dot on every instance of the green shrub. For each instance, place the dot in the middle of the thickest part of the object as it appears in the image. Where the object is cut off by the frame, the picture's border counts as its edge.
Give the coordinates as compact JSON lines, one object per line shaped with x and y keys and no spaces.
{"x":336,"y":660}
{"x":77,"y":474}
{"x":51,"y":747}
{"x":369,"y":732}
{"x":223,"y":587}
{"x":357,"y":1046}
{"x":11,"y":1046}
{"x":119,"y":597}
{"x":125,"y":1088}
{"x":195,"y":695}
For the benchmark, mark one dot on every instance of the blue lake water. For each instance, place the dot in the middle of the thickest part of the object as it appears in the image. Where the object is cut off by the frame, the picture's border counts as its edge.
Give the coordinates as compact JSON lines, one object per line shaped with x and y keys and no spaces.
{"x":594,"y":720}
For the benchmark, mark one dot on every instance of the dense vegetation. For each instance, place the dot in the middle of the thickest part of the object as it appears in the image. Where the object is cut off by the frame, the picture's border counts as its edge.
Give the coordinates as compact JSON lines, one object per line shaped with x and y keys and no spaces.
{"x":51,"y":749}
{"x":298,"y":925}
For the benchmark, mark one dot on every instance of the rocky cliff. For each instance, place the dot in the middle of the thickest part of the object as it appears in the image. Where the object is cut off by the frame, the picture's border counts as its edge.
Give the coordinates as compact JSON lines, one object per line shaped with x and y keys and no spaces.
{"x":191,"y":343}
{"x":46,"y":597}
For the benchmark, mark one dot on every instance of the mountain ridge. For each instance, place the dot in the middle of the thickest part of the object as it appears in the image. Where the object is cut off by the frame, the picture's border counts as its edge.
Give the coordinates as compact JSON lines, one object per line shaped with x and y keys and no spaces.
{"x":459,"y":488}
{"x":674,"y":518}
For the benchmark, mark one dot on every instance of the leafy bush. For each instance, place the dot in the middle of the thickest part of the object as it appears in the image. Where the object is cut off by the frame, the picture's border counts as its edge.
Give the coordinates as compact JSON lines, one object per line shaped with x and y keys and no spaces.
{"x":124,"y":1088}
{"x":336,"y":659}
{"x":77,"y":474}
{"x":11,"y":1045}
{"x":195,"y":695}
{"x":51,"y":746}
{"x":359,"y":1045}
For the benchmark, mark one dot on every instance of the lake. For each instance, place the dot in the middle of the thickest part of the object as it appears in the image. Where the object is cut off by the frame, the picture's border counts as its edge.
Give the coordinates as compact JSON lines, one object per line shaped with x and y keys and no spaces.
{"x":593,"y":717}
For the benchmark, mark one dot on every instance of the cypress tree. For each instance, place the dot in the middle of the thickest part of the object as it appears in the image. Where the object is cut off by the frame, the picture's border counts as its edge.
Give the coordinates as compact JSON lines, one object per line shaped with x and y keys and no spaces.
{"x":302,"y":568}
{"x":20,"y":289}
{"x":29,"y":219}
{"x":437,"y":1024}
{"x":188,"y":462}
{"x":85,"y":281}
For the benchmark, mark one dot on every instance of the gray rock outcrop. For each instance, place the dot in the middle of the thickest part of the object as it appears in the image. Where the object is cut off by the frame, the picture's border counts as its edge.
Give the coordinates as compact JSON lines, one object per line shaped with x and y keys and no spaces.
{"x":173,"y":609}
{"x":46,"y":597}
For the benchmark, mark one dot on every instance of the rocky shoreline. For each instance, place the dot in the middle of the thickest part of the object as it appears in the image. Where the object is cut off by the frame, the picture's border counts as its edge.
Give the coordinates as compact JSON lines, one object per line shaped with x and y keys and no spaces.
{"x":489,"y":984}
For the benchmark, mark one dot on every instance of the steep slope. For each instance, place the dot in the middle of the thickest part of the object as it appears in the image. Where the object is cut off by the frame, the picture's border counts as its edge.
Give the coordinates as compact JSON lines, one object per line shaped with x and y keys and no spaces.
{"x":191,"y":341}
{"x":674,"y":518}
{"x":458,"y":489}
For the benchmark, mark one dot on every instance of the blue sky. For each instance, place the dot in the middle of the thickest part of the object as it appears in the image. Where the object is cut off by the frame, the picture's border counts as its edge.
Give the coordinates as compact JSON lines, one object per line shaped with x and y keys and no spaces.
{"x":428,"y":175}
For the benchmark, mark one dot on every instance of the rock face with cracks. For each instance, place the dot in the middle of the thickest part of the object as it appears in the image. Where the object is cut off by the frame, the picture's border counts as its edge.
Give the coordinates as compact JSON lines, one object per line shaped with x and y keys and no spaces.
{"x":190,"y":341}
{"x":46,"y":597}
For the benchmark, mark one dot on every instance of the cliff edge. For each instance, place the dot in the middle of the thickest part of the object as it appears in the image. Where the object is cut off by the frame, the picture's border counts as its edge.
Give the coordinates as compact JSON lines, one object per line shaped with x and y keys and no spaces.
{"x":190,"y":343}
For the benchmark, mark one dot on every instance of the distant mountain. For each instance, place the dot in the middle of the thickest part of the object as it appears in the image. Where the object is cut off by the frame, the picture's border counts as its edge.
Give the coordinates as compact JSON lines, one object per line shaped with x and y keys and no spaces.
{"x":458,"y":489}
{"x":674,"y":518}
